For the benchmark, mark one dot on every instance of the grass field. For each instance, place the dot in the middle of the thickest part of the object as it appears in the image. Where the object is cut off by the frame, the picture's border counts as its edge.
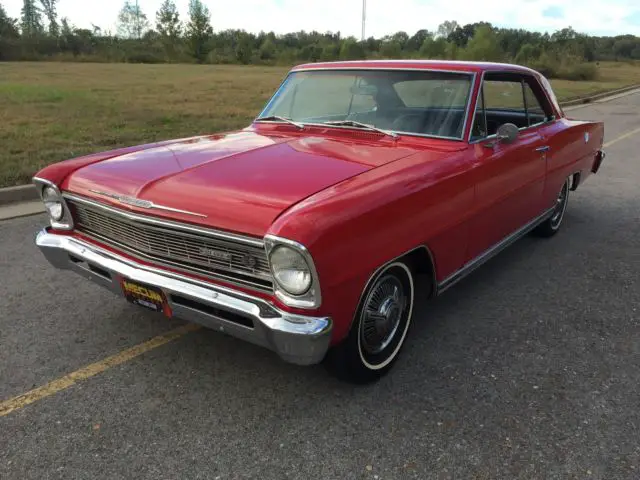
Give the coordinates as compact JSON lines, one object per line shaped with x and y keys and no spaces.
{"x":53,"y":111}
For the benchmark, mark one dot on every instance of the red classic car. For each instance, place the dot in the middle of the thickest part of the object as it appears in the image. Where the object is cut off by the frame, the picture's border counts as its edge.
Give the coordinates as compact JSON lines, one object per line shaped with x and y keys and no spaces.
{"x":306,"y":231}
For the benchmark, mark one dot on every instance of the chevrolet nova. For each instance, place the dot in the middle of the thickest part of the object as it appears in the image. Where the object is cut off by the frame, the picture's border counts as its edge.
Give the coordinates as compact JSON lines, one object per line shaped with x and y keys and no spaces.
{"x":307,"y":231}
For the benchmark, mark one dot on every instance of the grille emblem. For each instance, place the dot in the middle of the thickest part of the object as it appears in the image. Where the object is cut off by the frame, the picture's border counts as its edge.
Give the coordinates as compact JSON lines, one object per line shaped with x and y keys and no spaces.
{"x":212,"y":253}
{"x":137,"y":202}
{"x":249,"y":261}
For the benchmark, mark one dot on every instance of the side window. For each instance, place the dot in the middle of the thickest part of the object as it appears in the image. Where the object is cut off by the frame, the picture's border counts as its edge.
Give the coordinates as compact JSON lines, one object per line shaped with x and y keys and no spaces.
{"x":509,"y":98}
{"x":504,"y":102}
{"x":504,"y":95}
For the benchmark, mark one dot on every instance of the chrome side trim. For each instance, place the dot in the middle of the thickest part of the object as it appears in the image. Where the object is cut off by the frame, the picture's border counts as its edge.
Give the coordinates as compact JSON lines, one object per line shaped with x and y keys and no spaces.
{"x":313,"y":297}
{"x":298,"y":339}
{"x":491,"y":252}
{"x":393,"y":69}
{"x":475,"y":110}
{"x":467,"y":110}
{"x":168,"y":223}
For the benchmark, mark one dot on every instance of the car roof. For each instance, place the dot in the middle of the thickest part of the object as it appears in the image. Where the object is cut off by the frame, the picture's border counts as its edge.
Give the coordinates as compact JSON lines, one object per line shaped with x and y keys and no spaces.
{"x":445,"y":65}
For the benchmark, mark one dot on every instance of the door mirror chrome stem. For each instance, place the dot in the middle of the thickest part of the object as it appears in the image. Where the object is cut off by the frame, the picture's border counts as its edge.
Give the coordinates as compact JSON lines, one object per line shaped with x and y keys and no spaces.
{"x":506,"y":133}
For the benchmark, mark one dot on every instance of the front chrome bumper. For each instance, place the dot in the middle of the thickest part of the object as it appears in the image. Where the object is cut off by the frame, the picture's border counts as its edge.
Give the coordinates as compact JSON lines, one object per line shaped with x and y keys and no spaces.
{"x":298,"y":339}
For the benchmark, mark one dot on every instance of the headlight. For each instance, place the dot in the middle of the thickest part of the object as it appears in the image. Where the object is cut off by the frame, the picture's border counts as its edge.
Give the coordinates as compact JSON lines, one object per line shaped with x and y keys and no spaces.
{"x":290,"y":270}
{"x":53,"y":203}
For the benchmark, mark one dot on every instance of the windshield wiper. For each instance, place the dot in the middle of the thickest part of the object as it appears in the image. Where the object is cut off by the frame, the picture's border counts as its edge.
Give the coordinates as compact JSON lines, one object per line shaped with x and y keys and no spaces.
{"x":281,"y":119}
{"x":353,"y":123}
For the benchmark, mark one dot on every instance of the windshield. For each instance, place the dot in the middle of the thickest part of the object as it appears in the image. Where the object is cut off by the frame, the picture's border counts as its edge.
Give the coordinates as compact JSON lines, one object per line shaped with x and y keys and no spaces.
{"x":431,"y":103}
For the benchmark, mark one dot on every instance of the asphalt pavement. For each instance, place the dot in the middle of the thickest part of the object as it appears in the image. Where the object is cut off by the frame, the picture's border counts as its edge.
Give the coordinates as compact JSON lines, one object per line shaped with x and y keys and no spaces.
{"x":529,"y":368}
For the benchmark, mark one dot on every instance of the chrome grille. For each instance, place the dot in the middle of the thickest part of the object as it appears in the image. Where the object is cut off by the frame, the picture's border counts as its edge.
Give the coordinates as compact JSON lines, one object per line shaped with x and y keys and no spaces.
{"x":229,"y":260}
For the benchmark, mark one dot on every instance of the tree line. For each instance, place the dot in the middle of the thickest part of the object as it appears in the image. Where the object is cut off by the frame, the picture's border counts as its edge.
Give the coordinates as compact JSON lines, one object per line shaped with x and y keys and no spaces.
{"x":169,"y":38}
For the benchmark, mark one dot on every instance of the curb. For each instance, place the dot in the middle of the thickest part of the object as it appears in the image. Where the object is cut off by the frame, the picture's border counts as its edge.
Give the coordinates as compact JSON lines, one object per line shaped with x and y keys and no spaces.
{"x":23,"y":193}
{"x":599,"y":96}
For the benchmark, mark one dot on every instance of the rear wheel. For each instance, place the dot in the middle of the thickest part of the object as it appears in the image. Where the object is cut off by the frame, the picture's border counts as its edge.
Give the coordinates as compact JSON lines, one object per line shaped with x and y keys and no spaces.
{"x":550,"y":227}
{"x":379,"y":328}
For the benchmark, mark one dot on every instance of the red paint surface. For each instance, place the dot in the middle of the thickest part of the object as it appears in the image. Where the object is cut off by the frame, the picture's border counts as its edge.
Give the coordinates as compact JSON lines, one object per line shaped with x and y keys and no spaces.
{"x":355,"y":199}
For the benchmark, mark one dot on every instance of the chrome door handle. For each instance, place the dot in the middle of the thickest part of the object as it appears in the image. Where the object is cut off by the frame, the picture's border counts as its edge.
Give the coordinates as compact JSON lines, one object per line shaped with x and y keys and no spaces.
{"x":546,"y":148}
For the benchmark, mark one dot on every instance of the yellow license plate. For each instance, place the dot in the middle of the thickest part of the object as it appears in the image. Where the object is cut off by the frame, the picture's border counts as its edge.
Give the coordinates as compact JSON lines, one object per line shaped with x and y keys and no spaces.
{"x":145,"y":296}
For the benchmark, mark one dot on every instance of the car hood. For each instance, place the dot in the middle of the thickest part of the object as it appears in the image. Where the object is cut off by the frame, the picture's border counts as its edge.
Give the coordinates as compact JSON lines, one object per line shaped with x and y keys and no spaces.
{"x":238,"y":182}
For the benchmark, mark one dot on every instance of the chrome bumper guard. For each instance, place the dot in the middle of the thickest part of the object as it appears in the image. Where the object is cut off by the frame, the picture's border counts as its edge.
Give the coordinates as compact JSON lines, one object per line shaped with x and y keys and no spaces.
{"x":297,"y":339}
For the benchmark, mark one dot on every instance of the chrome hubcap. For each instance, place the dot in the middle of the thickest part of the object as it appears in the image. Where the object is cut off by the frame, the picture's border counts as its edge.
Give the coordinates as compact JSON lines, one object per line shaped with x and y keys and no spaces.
{"x":561,"y":203}
{"x":381,"y":314}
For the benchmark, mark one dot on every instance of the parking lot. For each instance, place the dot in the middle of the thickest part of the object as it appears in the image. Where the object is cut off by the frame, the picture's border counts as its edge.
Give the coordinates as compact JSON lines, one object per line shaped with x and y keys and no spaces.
{"x":529,"y":368}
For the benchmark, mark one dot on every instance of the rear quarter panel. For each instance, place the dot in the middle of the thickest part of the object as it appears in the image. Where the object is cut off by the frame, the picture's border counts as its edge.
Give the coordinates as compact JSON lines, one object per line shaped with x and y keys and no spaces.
{"x":574,"y":146}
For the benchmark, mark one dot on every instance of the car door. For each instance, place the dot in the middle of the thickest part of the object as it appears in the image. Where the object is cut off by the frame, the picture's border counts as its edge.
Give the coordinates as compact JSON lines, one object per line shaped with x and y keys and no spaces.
{"x":542,"y":116}
{"x":509,"y":177}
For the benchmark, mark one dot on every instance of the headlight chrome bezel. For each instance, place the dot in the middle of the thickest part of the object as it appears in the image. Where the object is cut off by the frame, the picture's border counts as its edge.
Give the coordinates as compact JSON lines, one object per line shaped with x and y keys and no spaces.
{"x":294,"y":257}
{"x":65,"y":221}
{"x":53,"y":203}
{"x":309,"y":299}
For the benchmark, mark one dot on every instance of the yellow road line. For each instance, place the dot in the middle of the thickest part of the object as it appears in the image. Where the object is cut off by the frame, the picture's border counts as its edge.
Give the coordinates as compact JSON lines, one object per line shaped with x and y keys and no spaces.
{"x":621,"y":137}
{"x":72,"y":378}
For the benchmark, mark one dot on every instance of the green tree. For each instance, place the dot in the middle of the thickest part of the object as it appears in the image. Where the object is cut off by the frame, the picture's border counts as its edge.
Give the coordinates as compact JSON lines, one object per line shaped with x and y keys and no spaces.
{"x":451,"y":51}
{"x":433,"y":48}
{"x":31,"y":19}
{"x":330,"y":51}
{"x":168,"y":20}
{"x":267,"y":50}
{"x":244,"y":48}
{"x":9,"y":37}
{"x":351,"y":49}
{"x":132,"y":22}
{"x":483,"y":46}
{"x":415,"y":43}
{"x":391,"y":49}
{"x":527,"y":54}
{"x":199,"y":30}
{"x":49,"y":7}
{"x":8,"y":28}
{"x":447,"y":28}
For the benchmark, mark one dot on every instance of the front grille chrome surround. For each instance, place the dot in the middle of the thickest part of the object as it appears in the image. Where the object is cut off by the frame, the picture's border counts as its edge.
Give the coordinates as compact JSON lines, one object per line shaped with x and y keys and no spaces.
{"x":218,"y":255}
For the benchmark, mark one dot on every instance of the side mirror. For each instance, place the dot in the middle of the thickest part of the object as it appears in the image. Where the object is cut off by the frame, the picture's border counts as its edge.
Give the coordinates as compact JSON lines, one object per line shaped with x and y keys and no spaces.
{"x":507,"y":133}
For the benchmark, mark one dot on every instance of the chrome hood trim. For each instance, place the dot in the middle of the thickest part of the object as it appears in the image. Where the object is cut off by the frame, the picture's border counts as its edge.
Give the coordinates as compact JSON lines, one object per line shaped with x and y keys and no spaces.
{"x":148,"y":204}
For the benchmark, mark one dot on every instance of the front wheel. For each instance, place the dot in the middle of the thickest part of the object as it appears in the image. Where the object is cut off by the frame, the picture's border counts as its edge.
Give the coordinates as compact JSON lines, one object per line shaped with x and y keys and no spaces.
{"x":550,"y":227}
{"x":379,"y":327}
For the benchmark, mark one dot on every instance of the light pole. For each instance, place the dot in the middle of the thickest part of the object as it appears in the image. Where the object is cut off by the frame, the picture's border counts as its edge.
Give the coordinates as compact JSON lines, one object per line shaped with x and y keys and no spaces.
{"x":138,"y":20}
{"x":364,"y":18}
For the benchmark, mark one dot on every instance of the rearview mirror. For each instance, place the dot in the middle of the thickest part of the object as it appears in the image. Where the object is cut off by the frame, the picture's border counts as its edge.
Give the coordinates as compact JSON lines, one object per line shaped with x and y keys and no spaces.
{"x":364,"y":89}
{"x":507,"y":133}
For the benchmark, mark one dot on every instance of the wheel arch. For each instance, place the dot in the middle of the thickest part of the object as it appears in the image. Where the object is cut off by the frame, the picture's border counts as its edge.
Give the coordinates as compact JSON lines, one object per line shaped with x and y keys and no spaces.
{"x":421,"y":263}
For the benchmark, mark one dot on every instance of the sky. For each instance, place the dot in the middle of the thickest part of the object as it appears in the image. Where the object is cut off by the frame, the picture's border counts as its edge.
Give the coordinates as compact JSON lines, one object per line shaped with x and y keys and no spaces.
{"x":596,"y":17}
